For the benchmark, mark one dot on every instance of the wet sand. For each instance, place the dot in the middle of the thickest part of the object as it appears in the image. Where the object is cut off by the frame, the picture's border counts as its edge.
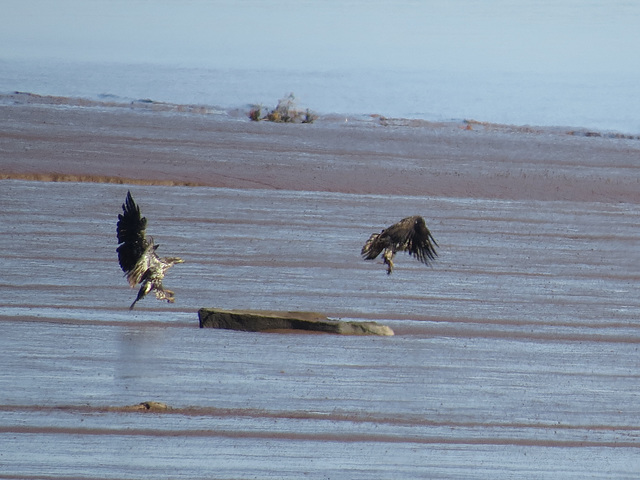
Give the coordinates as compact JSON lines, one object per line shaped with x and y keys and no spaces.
{"x":515,"y":355}
{"x":51,"y":138}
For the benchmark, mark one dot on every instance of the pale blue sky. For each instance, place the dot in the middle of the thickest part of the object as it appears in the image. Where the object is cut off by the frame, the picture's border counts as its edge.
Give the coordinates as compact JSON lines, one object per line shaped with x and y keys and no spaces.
{"x":453,"y":35}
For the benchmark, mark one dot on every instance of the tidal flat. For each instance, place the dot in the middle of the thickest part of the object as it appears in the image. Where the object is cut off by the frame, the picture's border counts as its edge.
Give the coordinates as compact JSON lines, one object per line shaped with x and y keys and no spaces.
{"x":515,"y":355}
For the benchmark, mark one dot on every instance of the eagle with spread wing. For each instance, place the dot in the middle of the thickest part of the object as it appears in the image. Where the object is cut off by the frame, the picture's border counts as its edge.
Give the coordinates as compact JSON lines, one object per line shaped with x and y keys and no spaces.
{"x":137,"y":254}
{"x":408,"y":235}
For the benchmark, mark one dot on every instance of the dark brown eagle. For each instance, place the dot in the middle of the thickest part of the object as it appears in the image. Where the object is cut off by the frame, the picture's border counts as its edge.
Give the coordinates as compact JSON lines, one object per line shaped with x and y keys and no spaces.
{"x":408,"y":235}
{"x":137,"y":255}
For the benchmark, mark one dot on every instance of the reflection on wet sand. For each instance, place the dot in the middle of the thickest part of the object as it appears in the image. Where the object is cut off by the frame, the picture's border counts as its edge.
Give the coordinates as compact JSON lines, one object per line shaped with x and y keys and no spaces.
{"x":517,"y":352}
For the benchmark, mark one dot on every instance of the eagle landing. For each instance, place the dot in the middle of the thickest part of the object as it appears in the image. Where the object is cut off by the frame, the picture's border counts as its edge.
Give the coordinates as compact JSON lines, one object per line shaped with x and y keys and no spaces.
{"x":137,"y":254}
{"x":409,"y":235}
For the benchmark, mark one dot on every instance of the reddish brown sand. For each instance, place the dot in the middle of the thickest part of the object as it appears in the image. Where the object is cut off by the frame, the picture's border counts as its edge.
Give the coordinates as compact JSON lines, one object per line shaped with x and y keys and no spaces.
{"x":147,"y":144}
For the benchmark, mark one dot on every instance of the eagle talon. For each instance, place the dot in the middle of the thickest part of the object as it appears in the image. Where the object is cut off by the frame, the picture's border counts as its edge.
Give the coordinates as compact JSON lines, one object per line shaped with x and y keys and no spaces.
{"x":388,"y":260}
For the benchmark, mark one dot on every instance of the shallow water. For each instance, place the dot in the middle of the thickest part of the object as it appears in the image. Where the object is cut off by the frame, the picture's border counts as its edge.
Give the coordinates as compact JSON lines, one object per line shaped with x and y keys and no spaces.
{"x":515,"y":355}
{"x":551,"y":63}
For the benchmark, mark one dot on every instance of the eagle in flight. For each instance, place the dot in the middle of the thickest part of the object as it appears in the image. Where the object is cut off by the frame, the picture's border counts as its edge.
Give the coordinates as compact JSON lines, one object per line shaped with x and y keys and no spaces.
{"x":137,"y":254}
{"x":408,"y":235}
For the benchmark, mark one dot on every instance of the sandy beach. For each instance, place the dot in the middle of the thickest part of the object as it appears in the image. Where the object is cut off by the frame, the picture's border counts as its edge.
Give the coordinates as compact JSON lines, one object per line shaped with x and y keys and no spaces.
{"x":515,"y":355}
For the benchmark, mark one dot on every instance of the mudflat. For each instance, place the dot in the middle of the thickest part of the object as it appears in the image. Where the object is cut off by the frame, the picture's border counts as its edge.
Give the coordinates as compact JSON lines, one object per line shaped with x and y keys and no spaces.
{"x":51,"y":138}
{"x":514,"y":355}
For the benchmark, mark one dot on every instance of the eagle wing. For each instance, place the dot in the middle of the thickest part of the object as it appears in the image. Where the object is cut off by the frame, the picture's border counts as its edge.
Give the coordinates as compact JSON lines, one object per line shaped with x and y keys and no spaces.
{"x":133,"y":244}
{"x":420,"y":243}
{"x":373,"y":247}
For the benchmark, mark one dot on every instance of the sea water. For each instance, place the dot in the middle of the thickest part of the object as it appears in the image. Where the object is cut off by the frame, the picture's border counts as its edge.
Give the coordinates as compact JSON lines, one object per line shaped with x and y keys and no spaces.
{"x":549,"y":63}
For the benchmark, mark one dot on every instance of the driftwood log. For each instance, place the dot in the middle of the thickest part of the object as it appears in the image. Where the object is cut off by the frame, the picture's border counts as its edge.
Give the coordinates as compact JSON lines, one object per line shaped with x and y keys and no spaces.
{"x":274,"y":321}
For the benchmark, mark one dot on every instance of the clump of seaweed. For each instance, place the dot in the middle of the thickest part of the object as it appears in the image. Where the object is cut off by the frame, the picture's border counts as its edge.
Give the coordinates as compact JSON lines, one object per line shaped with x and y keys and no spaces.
{"x":285,"y":112}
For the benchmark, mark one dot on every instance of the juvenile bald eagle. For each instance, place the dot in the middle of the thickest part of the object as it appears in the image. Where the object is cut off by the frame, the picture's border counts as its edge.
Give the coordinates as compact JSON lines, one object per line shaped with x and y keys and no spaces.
{"x":137,"y":255}
{"x":408,"y":235}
